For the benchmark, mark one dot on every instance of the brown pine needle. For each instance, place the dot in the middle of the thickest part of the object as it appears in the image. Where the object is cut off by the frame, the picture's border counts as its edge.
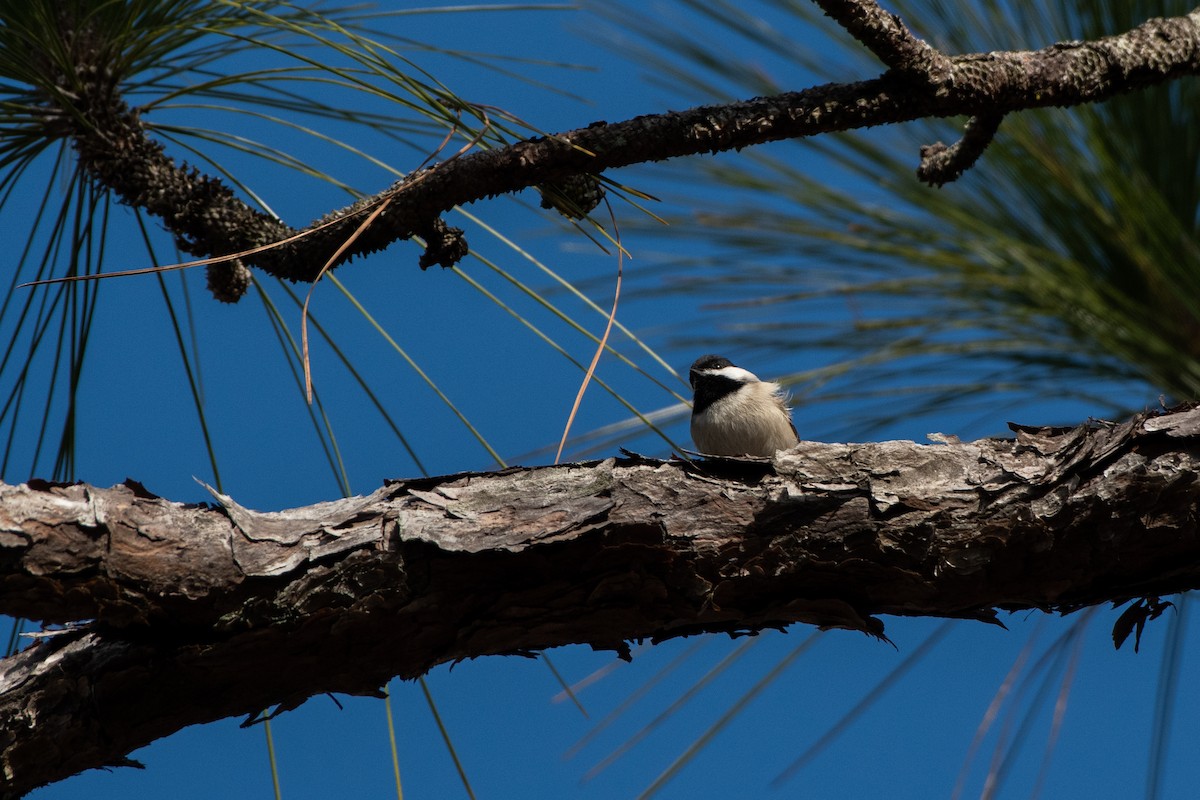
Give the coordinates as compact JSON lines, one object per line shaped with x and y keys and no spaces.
{"x":308,"y":296}
{"x":358,"y":232}
{"x":200,"y":262}
{"x":612,"y":315}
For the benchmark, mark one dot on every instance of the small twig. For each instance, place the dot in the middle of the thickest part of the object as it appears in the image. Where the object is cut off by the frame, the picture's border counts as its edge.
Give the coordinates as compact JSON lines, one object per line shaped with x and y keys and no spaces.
{"x":942,"y":163}
{"x":886,"y":35}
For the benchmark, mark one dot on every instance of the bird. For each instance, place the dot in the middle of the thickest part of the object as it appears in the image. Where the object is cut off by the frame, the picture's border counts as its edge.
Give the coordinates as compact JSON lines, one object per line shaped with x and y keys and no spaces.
{"x":736,"y":414}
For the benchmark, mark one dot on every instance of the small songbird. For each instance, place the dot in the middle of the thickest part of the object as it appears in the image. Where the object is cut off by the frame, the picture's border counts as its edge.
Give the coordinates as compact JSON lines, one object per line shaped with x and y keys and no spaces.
{"x":736,"y":414}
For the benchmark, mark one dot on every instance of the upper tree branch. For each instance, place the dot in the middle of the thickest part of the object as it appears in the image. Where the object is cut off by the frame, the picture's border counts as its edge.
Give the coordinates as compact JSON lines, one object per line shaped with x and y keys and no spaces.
{"x":885,"y":35}
{"x":211,"y":220}
{"x":203,"y":613}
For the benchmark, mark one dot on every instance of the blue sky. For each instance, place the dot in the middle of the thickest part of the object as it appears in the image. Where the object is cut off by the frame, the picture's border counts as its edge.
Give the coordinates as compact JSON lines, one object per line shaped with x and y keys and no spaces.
{"x":138,"y":421}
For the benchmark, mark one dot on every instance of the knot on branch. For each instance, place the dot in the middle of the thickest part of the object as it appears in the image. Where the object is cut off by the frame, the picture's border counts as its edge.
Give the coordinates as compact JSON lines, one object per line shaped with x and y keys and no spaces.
{"x":228,"y":280}
{"x":444,"y":245}
{"x":574,"y":196}
{"x":941,"y":163}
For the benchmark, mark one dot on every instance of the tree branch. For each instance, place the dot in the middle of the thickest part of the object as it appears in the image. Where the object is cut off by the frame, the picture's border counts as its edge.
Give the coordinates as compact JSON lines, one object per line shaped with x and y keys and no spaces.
{"x":205,"y":612}
{"x":885,"y":35}
{"x":941,"y":164}
{"x":210,"y":220}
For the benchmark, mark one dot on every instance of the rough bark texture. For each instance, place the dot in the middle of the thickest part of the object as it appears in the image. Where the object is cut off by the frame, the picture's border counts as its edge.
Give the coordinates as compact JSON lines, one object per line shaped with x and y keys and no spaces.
{"x":205,"y":612}
{"x":920,"y":82}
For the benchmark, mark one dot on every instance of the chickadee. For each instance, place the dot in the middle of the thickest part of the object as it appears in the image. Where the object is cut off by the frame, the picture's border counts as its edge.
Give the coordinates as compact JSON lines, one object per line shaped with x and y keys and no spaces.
{"x":736,"y":414}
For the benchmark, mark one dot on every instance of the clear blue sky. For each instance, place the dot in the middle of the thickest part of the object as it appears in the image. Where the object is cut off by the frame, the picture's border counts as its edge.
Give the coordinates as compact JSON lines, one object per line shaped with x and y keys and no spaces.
{"x":511,"y":733}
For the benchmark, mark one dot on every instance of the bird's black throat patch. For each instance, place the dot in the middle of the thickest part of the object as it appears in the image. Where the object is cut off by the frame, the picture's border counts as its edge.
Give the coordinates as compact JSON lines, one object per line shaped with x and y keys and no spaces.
{"x":711,"y":388}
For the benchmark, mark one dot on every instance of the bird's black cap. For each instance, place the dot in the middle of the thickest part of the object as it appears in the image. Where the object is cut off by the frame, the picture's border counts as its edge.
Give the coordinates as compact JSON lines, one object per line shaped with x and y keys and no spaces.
{"x":706,"y":363}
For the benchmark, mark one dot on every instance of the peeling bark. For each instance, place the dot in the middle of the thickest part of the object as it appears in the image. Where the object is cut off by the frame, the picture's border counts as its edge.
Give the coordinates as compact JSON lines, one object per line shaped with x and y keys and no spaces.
{"x":202,"y":612}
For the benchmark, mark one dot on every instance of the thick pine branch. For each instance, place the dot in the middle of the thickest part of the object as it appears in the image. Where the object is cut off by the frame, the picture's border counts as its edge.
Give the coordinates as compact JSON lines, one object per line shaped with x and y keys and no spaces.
{"x":205,"y":612}
{"x":209,"y":220}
